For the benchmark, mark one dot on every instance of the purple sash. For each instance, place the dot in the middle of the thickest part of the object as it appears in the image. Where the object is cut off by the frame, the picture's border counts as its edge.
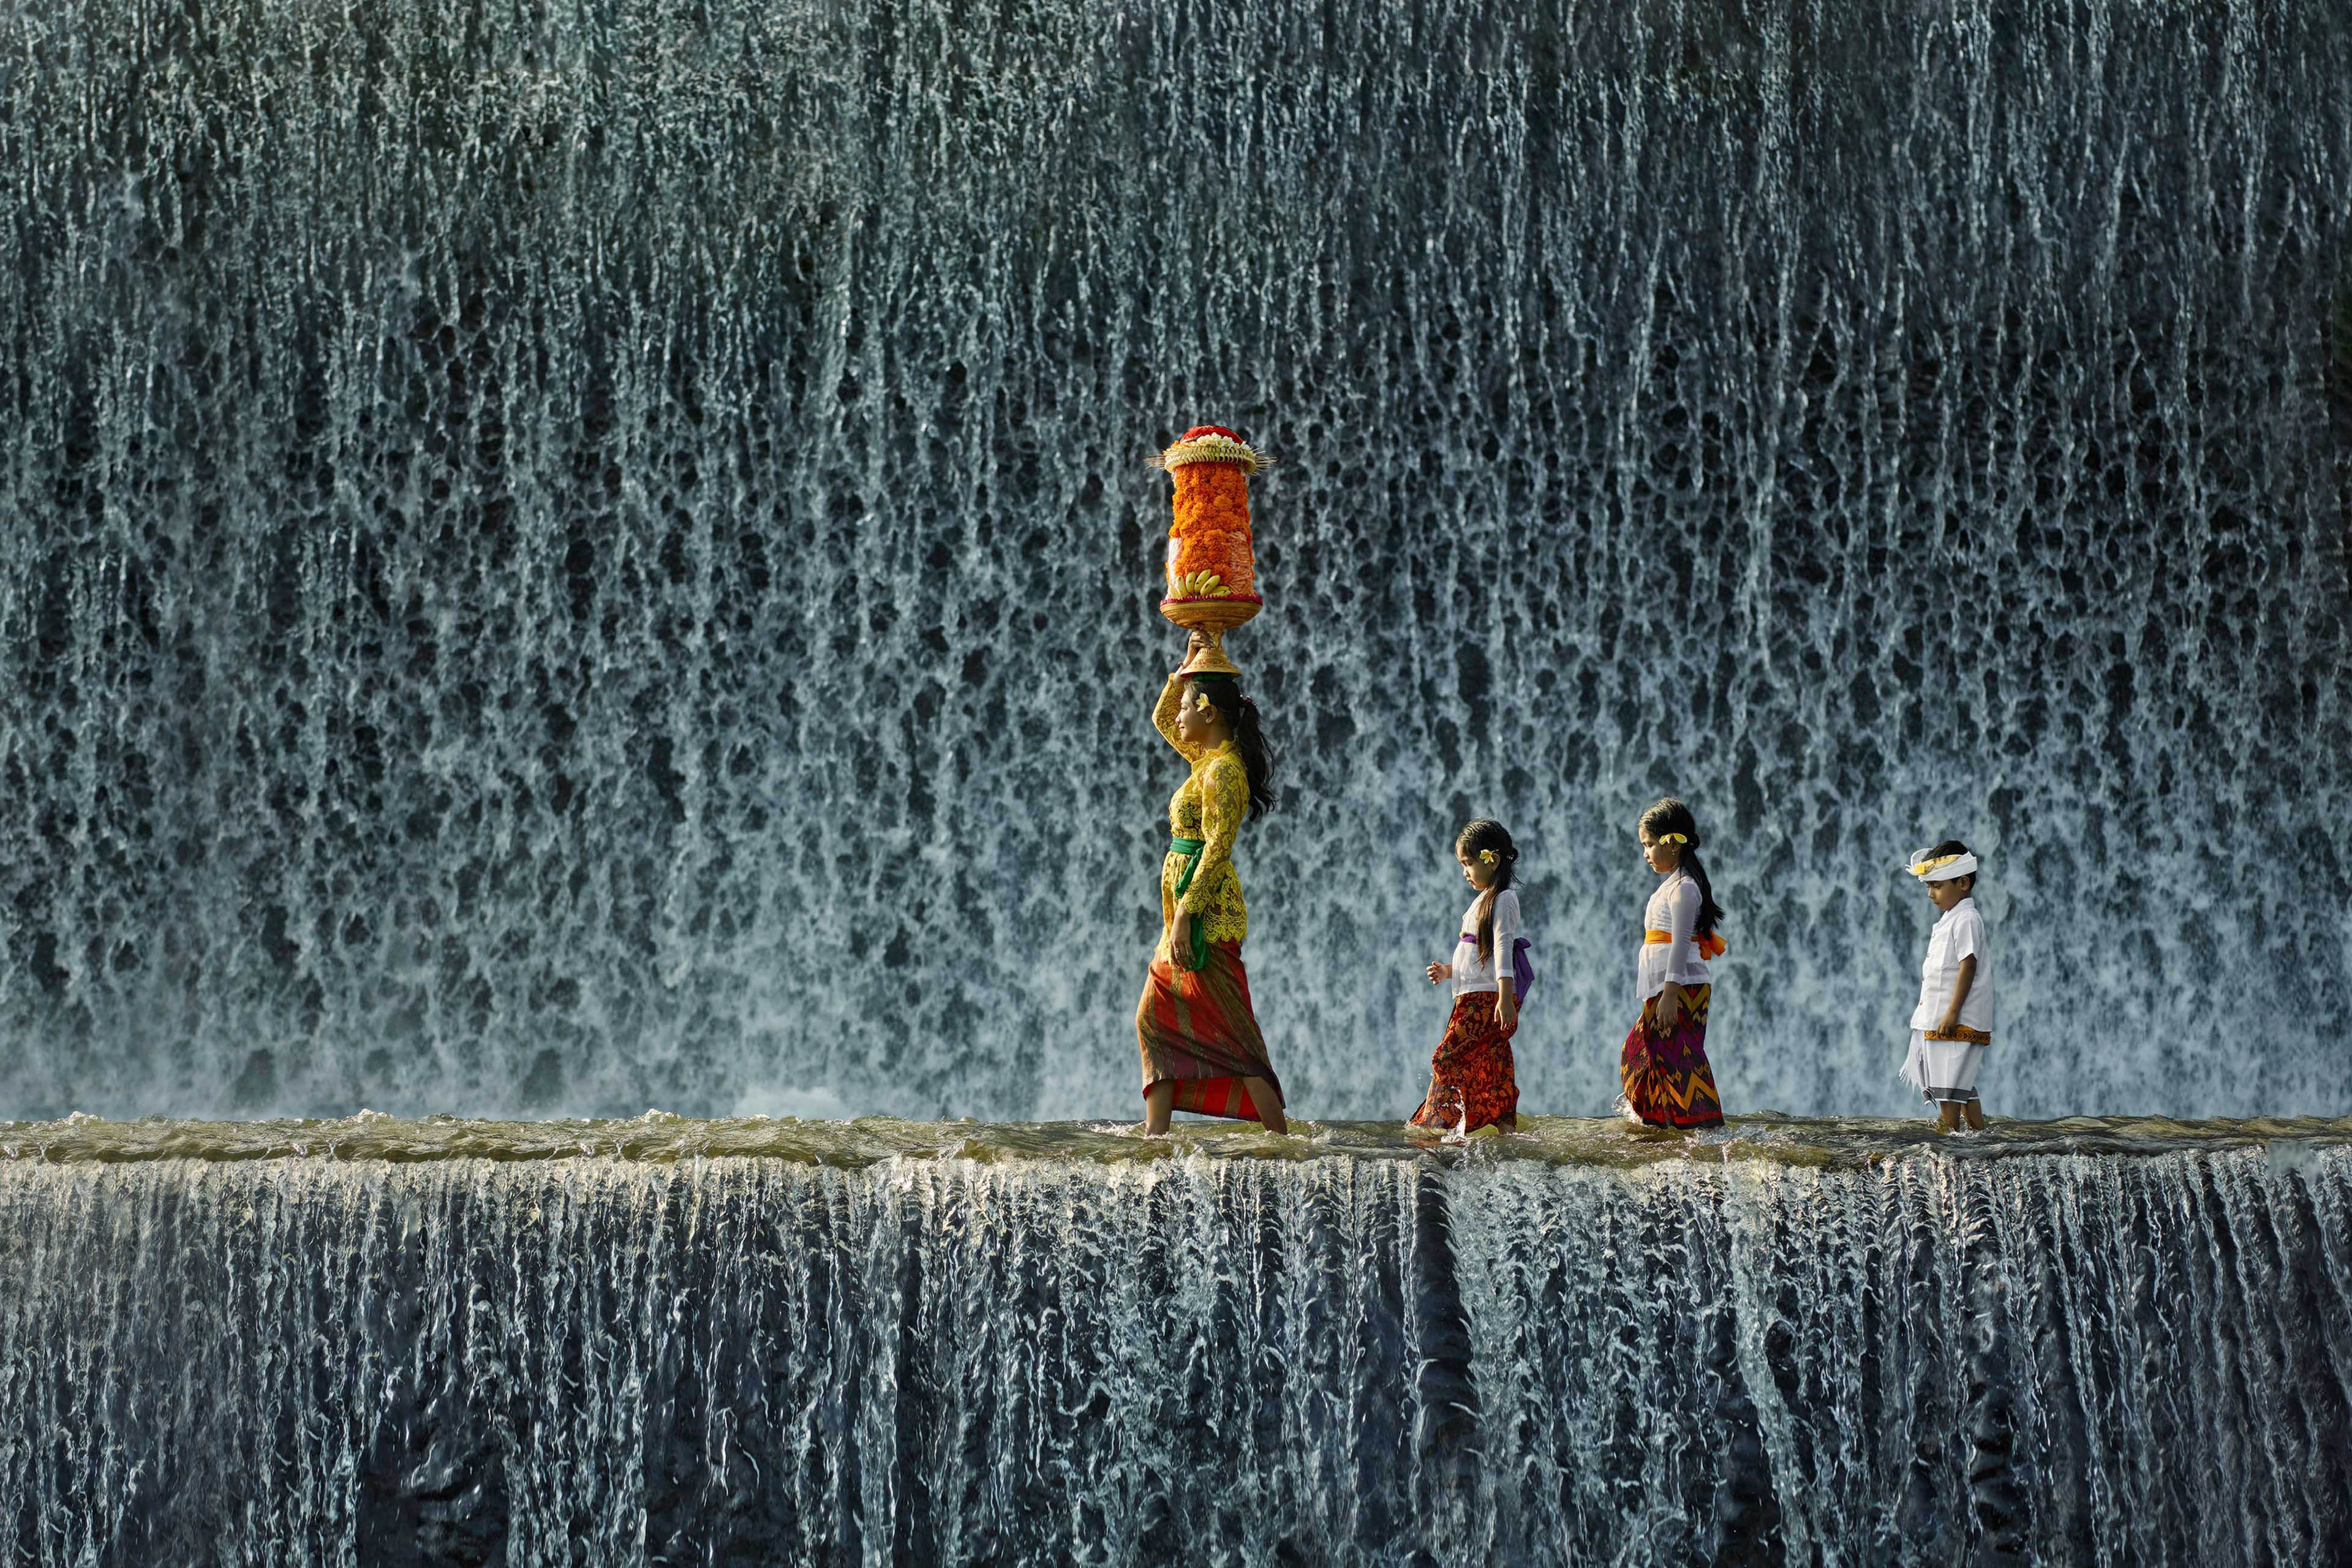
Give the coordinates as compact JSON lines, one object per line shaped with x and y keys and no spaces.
{"x":1523,"y":972}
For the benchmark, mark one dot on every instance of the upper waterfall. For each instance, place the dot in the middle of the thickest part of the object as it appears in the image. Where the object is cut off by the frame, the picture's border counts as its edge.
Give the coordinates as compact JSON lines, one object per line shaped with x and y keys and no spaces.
{"x":560,"y":559}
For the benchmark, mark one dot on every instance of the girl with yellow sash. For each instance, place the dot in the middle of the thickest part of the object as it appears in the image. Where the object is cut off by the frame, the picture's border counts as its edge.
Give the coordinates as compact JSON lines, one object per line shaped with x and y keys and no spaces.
{"x":1663,"y":1070}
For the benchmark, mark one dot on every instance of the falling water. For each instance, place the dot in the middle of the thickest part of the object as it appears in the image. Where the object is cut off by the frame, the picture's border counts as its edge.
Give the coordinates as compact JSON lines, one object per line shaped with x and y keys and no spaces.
{"x":662,"y":1340}
{"x":566,"y":557}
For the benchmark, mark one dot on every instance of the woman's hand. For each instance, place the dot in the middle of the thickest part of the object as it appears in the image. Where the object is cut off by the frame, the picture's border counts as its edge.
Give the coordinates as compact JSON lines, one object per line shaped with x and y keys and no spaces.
{"x":1670,"y":1005}
{"x":1507,"y":1008}
{"x":1180,"y":940}
{"x":1193,"y":644}
{"x":1438,"y":971}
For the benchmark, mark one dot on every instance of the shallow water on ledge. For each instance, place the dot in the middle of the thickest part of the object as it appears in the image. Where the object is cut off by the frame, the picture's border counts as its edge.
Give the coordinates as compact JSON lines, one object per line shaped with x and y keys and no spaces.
{"x":659,"y":1137}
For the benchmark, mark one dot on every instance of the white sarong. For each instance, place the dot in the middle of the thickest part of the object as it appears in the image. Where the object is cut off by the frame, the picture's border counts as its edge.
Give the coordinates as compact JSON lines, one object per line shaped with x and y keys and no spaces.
{"x":1943,"y":1070}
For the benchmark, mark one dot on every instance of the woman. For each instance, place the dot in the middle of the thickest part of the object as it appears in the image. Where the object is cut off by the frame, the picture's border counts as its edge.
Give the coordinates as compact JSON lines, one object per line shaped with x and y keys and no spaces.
{"x":1200,"y":1045}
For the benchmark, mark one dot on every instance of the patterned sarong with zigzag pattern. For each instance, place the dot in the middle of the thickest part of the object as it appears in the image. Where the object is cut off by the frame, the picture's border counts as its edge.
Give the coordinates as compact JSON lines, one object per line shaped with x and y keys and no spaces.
{"x":1666,"y":1078}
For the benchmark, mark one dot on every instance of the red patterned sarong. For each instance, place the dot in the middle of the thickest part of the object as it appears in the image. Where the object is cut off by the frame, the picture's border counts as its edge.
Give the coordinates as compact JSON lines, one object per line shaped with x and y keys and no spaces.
{"x":1471,"y":1083}
{"x":1195,"y":1029}
{"x":1666,"y":1078}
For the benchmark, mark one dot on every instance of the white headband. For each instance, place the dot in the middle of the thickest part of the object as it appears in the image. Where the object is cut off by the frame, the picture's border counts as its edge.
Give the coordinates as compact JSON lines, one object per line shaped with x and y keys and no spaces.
{"x":1930,"y":867}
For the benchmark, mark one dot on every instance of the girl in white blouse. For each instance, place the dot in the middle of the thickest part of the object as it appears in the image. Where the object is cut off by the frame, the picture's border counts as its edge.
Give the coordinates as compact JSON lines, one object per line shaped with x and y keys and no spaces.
{"x":1472,"y":1080}
{"x":1663,"y":1070}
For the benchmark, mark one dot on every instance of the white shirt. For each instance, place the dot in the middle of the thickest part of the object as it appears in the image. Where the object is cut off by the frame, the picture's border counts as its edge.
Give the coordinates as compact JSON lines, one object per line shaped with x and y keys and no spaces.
{"x":1673,"y":908}
{"x":1959,"y":934}
{"x":1471,"y":974}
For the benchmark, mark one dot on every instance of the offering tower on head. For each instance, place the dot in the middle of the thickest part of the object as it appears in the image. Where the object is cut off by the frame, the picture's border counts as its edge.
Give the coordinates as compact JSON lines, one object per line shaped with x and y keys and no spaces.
{"x":1211,"y":573}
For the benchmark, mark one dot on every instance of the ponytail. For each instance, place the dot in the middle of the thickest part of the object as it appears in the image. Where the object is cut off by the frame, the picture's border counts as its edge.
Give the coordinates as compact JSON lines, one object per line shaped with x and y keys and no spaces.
{"x":1249,"y":740}
{"x":1483,"y":837}
{"x":1709,"y":911}
{"x":1671,"y":815}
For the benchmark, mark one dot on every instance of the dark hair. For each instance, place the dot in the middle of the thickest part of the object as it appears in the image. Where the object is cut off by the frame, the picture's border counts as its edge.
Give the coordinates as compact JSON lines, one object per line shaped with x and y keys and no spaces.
{"x":1240,"y":716}
{"x":1480,"y":836}
{"x":1954,"y":847}
{"x":1671,"y":815}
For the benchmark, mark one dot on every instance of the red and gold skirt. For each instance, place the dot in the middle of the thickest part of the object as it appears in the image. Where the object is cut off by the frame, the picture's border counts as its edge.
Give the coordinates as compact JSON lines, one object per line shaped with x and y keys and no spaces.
{"x":1196,"y":1030}
{"x":1665,"y":1073}
{"x":1471,"y":1084}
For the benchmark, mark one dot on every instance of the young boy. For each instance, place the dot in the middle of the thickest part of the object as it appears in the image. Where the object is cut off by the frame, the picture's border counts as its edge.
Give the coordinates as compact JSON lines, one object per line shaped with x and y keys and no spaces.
{"x":1952,"y":1026}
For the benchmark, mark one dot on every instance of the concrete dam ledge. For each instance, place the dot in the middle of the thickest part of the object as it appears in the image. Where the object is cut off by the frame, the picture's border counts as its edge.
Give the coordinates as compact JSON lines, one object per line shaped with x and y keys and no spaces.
{"x":664,"y":1341}
{"x":662,"y":1137}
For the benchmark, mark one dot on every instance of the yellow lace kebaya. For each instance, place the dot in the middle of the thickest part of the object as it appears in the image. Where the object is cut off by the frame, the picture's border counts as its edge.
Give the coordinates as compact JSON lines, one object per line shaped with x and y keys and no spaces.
{"x":1209,"y":807}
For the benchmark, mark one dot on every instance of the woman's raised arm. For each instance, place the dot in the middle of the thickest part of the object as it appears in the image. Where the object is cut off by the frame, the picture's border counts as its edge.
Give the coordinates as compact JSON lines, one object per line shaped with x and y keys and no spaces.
{"x":1163,"y":716}
{"x":1171,"y":696}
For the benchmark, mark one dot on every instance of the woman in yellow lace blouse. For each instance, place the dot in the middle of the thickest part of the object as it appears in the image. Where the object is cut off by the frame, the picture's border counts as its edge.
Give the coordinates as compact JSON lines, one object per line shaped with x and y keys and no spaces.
{"x":1200,"y":1040}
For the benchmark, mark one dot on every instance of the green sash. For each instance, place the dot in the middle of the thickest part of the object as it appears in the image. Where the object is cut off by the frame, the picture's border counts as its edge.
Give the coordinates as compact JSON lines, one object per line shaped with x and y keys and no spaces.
{"x":1192,"y":850}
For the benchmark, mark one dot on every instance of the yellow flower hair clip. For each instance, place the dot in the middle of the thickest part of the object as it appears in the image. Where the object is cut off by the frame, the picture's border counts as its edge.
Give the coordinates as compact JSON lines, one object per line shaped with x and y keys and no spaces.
{"x":1672,"y":838}
{"x":1486,"y":856}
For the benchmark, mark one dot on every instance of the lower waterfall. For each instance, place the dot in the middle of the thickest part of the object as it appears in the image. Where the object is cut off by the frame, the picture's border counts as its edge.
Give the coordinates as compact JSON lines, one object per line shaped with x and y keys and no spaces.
{"x":872,"y":1343}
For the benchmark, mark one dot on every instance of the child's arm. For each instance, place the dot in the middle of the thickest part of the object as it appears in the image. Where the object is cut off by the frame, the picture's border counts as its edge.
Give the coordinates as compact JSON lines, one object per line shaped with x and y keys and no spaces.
{"x":1683,"y":923}
{"x":1438,"y":971}
{"x":1960,"y":984}
{"x":1507,"y":936}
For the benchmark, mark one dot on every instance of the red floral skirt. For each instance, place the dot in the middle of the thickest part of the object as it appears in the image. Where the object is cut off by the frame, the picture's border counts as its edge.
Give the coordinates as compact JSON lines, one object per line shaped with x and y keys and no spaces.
{"x":1666,"y":1080}
{"x":1195,"y":1028}
{"x":1471,"y":1083}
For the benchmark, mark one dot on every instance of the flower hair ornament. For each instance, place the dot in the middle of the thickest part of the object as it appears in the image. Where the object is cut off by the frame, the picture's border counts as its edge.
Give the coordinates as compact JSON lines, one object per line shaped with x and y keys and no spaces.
{"x":1486,"y":856}
{"x":1672,"y":838}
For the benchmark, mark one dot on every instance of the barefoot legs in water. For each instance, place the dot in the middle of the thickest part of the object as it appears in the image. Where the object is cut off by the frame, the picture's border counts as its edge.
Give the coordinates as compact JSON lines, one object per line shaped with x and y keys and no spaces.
{"x":1159,"y":1102}
{"x":1948,"y":1113}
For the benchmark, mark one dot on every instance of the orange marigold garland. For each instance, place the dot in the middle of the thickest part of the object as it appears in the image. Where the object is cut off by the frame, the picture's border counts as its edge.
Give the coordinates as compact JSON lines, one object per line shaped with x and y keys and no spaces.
{"x":1209,"y":548}
{"x":1211,"y":571}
